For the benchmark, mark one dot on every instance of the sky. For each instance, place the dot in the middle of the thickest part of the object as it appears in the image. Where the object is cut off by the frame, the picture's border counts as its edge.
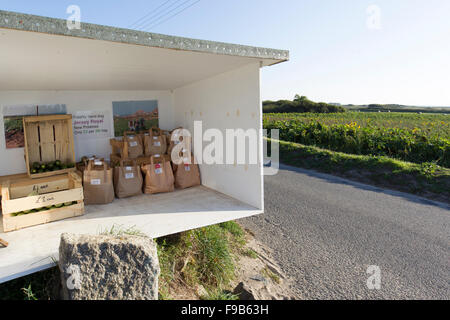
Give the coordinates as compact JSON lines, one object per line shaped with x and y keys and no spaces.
{"x":342,"y":51}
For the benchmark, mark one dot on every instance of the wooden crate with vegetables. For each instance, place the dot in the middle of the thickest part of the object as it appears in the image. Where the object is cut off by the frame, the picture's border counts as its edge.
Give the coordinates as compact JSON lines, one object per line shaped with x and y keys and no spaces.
{"x":49,"y":147}
{"x":29,"y":202}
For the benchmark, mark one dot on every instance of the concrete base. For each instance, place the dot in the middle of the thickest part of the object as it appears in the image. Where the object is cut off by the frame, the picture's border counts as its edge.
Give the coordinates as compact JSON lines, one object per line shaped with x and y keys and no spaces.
{"x":34,"y":249}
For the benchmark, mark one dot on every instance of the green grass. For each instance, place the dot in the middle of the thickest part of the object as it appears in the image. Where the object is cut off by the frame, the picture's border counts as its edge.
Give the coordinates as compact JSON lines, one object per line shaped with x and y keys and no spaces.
{"x":121,"y":125}
{"x":219,"y":294}
{"x":203,"y":256}
{"x":214,"y":259}
{"x":237,"y":239}
{"x":233,"y":228}
{"x":426,"y":179}
{"x":29,"y":295}
{"x":250,"y":253}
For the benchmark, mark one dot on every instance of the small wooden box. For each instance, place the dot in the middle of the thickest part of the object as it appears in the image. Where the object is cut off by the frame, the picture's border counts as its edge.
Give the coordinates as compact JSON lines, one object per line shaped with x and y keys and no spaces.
{"x":48,"y":138}
{"x":50,"y":191}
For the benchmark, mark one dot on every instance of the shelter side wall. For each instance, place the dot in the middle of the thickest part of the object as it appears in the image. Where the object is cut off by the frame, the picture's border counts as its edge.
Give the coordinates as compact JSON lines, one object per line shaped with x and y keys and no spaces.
{"x":227,"y":101}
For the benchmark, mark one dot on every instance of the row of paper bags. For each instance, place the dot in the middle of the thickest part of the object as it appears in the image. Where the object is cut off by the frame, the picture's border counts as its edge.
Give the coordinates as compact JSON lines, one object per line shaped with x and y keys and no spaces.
{"x":151,"y":143}
{"x":101,"y":183}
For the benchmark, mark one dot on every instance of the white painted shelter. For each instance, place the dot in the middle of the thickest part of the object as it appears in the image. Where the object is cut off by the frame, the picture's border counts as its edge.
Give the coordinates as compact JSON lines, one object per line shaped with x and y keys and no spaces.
{"x":42,"y":62}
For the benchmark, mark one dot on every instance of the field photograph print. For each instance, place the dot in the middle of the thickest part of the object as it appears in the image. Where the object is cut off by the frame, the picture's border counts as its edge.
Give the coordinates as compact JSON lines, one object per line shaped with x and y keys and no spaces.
{"x":134,"y":116}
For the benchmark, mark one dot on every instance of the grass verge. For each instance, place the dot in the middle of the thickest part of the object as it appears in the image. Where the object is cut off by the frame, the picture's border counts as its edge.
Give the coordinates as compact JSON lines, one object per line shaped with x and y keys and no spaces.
{"x":203,"y":257}
{"x":426,"y":179}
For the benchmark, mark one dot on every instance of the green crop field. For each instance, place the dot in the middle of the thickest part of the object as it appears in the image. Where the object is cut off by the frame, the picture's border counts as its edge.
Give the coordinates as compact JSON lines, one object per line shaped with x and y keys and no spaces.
{"x":410,"y":137}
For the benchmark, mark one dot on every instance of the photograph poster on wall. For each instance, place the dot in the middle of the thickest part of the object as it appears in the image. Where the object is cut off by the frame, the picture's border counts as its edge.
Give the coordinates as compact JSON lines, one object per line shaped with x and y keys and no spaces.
{"x":135,"y":116}
{"x":12,"y":120}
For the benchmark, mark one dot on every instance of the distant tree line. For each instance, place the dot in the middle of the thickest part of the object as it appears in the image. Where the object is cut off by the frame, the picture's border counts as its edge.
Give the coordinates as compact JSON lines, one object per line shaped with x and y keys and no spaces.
{"x":300,"y":104}
{"x":397,"y":108}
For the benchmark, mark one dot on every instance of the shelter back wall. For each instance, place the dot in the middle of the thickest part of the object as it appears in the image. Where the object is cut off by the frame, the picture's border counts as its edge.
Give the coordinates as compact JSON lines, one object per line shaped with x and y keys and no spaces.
{"x":12,"y":160}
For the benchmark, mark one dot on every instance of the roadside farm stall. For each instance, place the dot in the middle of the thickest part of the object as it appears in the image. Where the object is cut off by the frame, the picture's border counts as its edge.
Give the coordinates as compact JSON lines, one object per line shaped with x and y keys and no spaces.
{"x":93,"y":70}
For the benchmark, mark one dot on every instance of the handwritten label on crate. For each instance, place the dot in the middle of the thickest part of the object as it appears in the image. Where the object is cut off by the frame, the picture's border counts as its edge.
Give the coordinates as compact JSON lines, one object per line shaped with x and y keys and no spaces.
{"x":39,"y":187}
{"x":44,"y":199}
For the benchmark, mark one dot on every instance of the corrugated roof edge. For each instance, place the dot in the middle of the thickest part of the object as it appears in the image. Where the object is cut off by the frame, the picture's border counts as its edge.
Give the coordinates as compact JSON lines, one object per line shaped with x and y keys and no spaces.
{"x":33,"y":23}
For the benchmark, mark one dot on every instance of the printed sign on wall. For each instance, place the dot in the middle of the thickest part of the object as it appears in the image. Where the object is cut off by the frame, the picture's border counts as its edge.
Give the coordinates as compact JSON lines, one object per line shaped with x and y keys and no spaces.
{"x":91,"y":124}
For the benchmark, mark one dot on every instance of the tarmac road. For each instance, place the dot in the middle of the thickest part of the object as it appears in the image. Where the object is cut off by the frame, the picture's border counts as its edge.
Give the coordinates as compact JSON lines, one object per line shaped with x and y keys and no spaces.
{"x":326,"y":231}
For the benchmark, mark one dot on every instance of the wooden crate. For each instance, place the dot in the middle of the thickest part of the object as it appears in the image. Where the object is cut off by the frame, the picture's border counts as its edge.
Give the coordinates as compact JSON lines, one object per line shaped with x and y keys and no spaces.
{"x":50,"y":191}
{"x":48,"y":138}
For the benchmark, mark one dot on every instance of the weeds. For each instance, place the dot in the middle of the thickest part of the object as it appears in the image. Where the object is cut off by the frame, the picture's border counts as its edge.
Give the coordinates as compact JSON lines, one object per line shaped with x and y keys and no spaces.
{"x":219,"y":294}
{"x":203,"y":256}
{"x":215,"y":263}
{"x":237,"y":238}
{"x":29,"y":295}
{"x":250,"y":253}
{"x":233,"y":228}
{"x":270,"y":274}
